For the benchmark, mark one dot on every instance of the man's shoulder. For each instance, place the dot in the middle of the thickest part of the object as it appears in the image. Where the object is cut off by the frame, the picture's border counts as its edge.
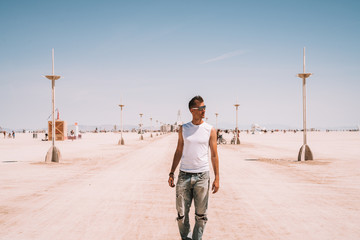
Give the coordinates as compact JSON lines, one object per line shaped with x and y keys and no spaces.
{"x":186,"y":124}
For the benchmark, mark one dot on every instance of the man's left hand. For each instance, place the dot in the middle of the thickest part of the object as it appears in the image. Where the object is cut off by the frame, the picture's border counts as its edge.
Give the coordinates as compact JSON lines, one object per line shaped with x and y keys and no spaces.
{"x":215,"y":186}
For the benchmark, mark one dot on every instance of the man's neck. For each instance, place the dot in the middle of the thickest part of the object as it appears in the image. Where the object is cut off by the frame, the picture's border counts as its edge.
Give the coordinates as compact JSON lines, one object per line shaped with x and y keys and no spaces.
{"x":197,"y":121}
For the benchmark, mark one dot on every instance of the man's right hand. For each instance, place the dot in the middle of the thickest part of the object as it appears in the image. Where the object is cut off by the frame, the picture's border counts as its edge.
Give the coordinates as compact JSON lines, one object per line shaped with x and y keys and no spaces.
{"x":171,"y":181}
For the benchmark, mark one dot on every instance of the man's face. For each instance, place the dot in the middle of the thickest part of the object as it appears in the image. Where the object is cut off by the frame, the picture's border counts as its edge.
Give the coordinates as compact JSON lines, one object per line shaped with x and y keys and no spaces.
{"x":198,"y":113}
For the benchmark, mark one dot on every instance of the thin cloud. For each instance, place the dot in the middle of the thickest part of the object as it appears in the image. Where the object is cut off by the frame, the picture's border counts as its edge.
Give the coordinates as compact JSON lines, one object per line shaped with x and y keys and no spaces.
{"x":224,"y":56}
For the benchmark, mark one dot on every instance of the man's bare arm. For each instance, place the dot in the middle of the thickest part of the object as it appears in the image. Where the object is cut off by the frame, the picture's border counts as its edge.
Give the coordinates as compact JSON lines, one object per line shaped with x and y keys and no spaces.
{"x":177,"y":157}
{"x":214,"y":160}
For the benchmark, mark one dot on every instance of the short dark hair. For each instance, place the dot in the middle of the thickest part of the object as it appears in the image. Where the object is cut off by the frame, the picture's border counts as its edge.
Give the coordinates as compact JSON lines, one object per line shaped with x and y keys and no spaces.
{"x":192,"y":101}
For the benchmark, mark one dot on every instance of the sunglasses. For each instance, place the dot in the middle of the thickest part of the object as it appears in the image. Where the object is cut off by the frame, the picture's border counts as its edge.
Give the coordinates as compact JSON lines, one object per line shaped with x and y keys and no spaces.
{"x":201,"y":108}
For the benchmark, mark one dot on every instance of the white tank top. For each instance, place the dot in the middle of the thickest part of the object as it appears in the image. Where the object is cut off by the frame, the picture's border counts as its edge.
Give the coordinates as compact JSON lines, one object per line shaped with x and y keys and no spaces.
{"x":195,"y":156}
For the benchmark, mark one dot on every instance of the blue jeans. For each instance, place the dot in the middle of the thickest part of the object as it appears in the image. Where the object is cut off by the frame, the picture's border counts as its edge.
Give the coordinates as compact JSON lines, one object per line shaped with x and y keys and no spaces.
{"x":192,"y":186}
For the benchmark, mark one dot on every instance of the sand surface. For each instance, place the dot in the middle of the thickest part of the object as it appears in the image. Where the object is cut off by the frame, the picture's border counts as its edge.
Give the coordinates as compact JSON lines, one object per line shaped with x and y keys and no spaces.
{"x":101,"y":190}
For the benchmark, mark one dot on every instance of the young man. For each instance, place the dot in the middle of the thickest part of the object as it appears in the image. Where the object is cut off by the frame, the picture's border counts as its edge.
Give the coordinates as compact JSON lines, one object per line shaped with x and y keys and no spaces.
{"x":192,"y":150}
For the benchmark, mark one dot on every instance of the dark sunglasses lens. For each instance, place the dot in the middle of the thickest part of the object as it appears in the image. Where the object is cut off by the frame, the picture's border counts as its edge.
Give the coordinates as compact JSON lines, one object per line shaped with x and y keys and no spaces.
{"x":202,"y":108}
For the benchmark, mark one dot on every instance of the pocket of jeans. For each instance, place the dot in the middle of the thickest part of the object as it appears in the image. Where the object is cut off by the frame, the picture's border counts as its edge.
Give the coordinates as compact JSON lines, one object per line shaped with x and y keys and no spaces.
{"x":179,"y":186}
{"x":204,"y":176}
{"x":180,"y":179}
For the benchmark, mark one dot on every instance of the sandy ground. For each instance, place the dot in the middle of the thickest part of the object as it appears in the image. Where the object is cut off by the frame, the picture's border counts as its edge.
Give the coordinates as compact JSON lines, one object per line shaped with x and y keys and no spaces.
{"x":101,"y":190}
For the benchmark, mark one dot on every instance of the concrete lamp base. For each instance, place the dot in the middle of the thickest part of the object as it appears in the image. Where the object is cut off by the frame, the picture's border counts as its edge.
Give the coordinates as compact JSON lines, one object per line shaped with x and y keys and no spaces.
{"x":121,"y":142}
{"x":305,"y":153}
{"x":53,"y":155}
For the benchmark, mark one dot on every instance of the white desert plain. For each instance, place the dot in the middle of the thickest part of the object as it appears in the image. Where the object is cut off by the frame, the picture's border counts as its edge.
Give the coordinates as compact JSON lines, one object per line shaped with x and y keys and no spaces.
{"x":101,"y":190}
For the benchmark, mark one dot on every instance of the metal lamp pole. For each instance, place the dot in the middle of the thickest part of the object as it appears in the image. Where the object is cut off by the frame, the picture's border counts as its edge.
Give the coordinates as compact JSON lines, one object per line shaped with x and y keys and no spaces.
{"x":305,"y":152}
{"x":216,"y":114}
{"x":237,"y":141}
{"x":156,"y":130}
{"x":53,"y":155}
{"x":151,"y":131}
{"x":121,"y":142}
{"x":141,"y":137}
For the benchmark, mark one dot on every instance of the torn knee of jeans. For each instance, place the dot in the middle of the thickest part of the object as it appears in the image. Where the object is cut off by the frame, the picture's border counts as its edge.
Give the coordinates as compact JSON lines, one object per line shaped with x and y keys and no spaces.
{"x":179,"y":217}
{"x":201,"y":217}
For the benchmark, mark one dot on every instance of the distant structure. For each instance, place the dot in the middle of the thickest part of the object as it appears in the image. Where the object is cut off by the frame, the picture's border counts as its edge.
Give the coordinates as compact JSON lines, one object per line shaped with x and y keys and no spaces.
{"x":165,"y":128}
{"x":151,"y":128}
{"x":121,"y":141}
{"x":255,"y":128}
{"x":305,"y":152}
{"x":157,"y":121}
{"x":76,"y":130}
{"x":140,"y":125}
{"x":237,"y":140}
{"x":216,"y":114}
{"x":53,"y":155}
{"x":179,"y":122}
{"x":60,"y":129}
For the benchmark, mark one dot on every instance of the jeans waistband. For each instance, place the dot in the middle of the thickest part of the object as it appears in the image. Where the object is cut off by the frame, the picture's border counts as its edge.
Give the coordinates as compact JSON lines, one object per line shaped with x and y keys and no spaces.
{"x":189,"y":173}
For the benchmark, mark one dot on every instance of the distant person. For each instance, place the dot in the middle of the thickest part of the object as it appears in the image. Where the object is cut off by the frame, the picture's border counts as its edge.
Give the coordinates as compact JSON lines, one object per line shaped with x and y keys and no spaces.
{"x":13,"y":134}
{"x":220,"y":139}
{"x":235,"y":137}
{"x":4,"y":134}
{"x":193,"y":182}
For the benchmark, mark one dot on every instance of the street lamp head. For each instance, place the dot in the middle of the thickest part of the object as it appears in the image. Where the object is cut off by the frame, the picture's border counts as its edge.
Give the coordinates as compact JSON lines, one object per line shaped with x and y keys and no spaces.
{"x":304,"y":75}
{"x":52,"y":77}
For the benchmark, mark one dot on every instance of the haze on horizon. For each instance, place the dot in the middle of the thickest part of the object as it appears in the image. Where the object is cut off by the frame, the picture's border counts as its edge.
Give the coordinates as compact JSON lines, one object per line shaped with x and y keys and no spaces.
{"x":153,"y":56}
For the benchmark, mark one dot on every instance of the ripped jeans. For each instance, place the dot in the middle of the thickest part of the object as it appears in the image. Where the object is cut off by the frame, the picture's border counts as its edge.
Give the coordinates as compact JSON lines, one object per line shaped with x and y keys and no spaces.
{"x":192,"y":186}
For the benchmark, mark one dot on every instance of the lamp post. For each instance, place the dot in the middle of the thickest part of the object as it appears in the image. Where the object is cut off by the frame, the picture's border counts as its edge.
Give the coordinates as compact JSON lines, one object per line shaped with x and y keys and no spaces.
{"x":151,"y":131}
{"x":53,"y":155}
{"x":159,"y":129}
{"x":237,"y":140}
{"x":141,"y":136}
{"x":216,"y":114}
{"x":305,"y":152}
{"x":121,"y":141}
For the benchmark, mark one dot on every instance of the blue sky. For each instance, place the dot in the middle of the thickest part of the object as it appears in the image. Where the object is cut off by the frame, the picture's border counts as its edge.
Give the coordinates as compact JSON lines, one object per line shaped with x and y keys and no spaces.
{"x":156,"y":55}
